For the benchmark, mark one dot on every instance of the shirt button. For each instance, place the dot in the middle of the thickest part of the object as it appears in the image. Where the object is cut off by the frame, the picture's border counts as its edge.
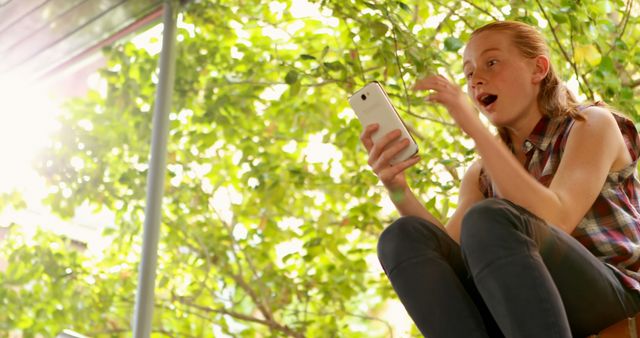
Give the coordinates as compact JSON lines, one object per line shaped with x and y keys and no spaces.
{"x":527,"y":145}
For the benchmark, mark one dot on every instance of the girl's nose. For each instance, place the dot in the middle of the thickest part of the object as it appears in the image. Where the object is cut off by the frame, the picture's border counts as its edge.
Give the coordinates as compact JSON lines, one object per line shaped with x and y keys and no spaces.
{"x":476,"y":79}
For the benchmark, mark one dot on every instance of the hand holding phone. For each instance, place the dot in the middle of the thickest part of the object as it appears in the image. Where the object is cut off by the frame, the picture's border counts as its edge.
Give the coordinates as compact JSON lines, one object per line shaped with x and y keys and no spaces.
{"x":372,"y":106}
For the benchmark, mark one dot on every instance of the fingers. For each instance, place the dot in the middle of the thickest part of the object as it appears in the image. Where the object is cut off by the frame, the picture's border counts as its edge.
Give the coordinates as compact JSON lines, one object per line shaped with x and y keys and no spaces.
{"x":392,"y":171}
{"x":441,"y":97}
{"x":383,"y":151}
{"x":390,"y":152}
{"x":436,"y":82}
{"x":380,"y":153}
{"x":381,"y":144}
{"x":443,"y":90}
{"x":365,"y":137}
{"x":423,"y":84}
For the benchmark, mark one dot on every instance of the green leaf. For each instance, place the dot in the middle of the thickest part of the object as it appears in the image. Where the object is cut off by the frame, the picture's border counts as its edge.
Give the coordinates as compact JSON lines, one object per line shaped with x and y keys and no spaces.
{"x":452,"y":44}
{"x":335,"y":65}
{"x":626,"y":94}
{"x":588,"y":54}
{"x":607,"y":66}
{"x":559,"y":17}
{"x":379,"y":29}
{"x":294,"y":89}
{"x":404,"y":6}
{"x":313,"y":242}
{"x":291,"y":77}
{"x":324,"y":53}
{"x":370,"y":5}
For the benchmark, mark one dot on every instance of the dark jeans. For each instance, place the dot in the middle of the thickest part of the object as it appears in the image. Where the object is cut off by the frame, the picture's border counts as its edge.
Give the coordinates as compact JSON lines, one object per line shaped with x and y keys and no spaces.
{"x":513,"y":275}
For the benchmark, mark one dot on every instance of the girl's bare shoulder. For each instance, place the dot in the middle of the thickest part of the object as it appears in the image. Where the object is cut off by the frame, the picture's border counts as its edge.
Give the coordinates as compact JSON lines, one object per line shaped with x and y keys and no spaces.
{"x":597,"y":119}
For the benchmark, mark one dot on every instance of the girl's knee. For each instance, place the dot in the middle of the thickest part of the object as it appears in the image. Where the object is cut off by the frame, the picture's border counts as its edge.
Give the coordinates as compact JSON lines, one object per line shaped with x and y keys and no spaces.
{"x":400,"y":231}
{"x":404,"y":238}
{"x":483,"y":220}
{"x":486,"y":209}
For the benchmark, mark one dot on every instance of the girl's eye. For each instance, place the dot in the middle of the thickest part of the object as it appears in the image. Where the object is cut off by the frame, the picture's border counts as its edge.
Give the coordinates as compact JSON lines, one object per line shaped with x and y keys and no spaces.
{"x":468,"y":75}
{"x":492,"y":63}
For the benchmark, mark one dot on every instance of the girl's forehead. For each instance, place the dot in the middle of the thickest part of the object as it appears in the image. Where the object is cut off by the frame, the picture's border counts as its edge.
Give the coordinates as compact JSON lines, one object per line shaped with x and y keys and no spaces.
{"x":486,"y":41}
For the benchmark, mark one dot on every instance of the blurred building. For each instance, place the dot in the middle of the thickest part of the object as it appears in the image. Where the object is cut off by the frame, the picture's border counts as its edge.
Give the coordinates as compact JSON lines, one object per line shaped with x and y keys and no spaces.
{"x":54,"y":46}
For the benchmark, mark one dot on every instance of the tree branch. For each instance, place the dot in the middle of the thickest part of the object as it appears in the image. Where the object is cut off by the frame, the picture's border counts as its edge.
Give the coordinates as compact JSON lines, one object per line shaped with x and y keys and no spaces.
{"x":564,"y":53}
{"x":573,"y":49}
{"x":482,"y":10}
{"x":633,"y":83}
{"x":317,"y":84}
{"x":349,"y":314}
{"x":427,"y":118}
{"x":260,"y":303}
{"x":269,"y":323}
{"x":451,"y":12}
{"x":401,"y":71}
{"x":400,"y":68}
{"x":625,"y":21}
{"x":165,"y":332}
{"x":356,"y":52}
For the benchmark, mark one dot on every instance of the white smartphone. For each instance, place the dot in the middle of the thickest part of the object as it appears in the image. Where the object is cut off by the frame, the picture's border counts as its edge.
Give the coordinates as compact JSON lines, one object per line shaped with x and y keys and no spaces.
{"x":372,"y":105}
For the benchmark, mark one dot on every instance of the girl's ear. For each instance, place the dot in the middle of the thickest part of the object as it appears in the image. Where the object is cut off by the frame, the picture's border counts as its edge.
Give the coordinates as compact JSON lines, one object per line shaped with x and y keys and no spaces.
{"x":541,"y":68}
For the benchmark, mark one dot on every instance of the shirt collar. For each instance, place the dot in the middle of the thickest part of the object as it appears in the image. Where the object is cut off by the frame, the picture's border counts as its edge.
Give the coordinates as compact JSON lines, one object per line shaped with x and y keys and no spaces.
{"x":540,"y":136}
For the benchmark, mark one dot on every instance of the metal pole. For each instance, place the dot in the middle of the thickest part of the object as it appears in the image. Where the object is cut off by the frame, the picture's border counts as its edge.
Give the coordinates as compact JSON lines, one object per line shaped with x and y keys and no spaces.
{"x":155,"y":181}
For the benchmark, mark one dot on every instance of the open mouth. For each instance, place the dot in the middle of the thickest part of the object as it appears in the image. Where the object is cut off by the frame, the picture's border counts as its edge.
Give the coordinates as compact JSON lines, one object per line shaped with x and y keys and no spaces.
{"x":487,"y":99}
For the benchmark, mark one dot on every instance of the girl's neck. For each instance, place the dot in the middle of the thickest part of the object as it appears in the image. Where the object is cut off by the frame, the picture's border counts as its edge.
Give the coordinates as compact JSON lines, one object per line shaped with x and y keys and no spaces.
{"x":520,"y":131}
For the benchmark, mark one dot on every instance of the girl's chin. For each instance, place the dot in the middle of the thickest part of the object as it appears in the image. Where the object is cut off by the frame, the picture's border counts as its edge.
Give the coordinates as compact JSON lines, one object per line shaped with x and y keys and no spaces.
{"x":496,"y":119}
{"x":491,"y":115}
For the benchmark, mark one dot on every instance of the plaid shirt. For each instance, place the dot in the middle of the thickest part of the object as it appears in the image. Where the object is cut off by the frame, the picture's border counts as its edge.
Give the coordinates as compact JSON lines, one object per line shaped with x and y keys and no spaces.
{"x":611,"y":227}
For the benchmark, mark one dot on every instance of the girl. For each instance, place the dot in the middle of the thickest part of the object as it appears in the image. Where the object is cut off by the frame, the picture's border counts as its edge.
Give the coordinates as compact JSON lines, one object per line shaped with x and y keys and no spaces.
{"x":545,"y":241}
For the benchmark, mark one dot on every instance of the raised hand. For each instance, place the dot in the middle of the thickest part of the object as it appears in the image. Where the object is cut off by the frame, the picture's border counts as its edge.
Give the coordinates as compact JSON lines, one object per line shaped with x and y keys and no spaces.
{"x":453,"y":98}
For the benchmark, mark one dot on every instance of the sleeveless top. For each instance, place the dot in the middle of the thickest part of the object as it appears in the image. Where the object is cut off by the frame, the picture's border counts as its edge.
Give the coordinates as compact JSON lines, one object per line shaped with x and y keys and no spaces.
{"x":611,"y":228}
